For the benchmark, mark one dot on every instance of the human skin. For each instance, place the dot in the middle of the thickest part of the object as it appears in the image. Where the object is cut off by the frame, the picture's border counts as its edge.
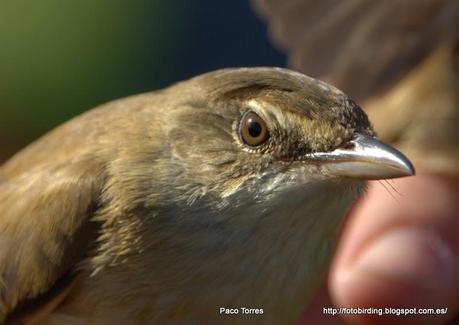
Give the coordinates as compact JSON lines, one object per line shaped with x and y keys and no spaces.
{"x":396,"y":250}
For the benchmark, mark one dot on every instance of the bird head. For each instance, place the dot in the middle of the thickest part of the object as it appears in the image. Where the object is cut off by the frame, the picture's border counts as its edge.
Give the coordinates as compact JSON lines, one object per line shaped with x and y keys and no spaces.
{"x":262,"y":129}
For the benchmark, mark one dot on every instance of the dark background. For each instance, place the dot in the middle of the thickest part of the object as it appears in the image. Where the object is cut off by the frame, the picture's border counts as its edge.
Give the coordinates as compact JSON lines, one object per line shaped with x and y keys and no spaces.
{"x":58,"y":59}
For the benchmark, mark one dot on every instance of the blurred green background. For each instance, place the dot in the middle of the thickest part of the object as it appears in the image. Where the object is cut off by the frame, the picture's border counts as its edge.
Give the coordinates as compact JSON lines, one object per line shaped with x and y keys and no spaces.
{"x":60,"y":58}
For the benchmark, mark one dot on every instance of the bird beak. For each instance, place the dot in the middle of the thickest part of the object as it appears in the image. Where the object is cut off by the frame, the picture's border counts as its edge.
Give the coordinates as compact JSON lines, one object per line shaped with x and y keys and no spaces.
{"x":366,"y":158}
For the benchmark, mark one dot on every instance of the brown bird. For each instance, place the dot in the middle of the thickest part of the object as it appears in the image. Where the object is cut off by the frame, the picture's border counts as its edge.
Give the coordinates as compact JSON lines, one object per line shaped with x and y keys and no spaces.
{"x":181,"y":205}
{"x":398,"y":58}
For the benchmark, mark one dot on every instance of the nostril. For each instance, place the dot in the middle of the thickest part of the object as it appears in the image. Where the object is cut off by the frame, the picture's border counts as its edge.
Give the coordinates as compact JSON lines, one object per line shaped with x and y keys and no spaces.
{"x":348,"y":145}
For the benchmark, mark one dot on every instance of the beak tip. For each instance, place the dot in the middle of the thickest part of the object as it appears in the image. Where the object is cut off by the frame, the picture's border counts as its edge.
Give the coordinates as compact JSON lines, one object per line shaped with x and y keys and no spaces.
{"x":411,"y":171}
{"x":392,"y":163}
{"x":401,"y":165}
{"x":404,"y":169}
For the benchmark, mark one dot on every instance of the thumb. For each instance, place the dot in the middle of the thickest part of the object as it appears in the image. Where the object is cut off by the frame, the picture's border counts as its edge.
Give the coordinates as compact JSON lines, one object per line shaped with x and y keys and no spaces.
{"x":401,"y":252}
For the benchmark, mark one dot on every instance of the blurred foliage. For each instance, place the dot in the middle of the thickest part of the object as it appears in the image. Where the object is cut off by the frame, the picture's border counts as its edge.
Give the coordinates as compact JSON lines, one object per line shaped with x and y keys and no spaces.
{"x":59,"y":58}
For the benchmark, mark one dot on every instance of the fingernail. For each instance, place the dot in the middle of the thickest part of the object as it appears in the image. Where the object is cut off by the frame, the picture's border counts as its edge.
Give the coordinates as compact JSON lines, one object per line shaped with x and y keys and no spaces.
{"x":413,"y":256}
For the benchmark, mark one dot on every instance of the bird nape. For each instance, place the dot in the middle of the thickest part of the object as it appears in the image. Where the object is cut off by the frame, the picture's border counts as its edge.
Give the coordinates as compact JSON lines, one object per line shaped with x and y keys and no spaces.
{"x":218,"y":193}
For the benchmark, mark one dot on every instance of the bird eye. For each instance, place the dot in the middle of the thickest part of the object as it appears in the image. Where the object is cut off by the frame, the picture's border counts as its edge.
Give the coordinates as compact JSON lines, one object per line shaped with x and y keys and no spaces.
{"x":253,"y":129}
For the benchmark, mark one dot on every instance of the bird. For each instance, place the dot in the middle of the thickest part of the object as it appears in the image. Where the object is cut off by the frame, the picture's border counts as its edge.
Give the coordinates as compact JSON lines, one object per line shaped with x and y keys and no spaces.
{"x":213,"y":200}
{"x":397,"y":58}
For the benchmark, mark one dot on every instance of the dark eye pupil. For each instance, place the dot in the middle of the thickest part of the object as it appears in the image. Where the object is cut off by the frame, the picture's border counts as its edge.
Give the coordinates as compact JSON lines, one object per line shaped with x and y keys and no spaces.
{"x":255,"y":129}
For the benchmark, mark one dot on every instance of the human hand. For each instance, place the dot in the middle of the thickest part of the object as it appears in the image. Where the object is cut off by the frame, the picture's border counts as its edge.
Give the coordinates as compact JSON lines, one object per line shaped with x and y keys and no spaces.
{"x":400,"y":252}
